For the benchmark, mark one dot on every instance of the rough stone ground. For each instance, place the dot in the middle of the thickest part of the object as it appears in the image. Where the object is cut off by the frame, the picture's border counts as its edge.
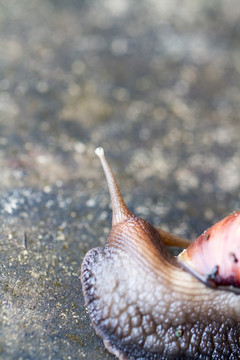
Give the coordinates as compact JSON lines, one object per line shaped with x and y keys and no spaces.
{"x":156,"y":83}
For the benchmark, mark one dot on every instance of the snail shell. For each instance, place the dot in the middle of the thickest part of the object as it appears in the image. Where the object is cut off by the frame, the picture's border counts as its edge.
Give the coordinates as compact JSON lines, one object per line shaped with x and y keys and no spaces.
{"x":147,"y":304}
{"x":214,"y":256}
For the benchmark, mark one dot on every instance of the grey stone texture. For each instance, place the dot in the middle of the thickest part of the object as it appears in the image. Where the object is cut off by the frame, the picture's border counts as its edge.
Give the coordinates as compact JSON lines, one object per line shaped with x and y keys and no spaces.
{"x":156,"y":83}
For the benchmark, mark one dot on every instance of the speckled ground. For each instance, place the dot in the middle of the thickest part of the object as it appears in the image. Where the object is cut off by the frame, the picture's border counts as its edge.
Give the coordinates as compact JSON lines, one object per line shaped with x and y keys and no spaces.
{"x":157,"y":85}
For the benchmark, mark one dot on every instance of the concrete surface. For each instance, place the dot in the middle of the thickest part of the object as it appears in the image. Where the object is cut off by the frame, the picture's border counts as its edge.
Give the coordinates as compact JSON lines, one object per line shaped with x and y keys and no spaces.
{"x":157,"y":85}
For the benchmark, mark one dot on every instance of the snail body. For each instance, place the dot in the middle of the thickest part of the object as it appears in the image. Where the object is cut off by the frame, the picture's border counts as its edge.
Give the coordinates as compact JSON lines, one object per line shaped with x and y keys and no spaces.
{"x":147,"y":304}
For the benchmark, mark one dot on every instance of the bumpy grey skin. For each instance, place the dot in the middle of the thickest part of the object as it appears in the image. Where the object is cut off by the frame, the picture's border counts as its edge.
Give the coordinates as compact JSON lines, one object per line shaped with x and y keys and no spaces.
{"x":144,"y":305}
{"x":140,"y":315}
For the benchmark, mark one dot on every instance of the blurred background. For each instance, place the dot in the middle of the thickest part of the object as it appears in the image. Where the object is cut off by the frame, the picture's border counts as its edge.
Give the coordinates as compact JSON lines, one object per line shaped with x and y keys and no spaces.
{"x":156,"y":83}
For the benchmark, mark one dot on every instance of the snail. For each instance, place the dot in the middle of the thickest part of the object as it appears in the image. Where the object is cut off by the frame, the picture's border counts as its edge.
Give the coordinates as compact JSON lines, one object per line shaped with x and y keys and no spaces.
{"x":148,"y":304}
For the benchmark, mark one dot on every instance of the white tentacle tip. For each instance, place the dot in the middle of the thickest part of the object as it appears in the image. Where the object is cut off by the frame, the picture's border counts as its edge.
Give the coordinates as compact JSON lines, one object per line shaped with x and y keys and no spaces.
{"x":99,"y":151}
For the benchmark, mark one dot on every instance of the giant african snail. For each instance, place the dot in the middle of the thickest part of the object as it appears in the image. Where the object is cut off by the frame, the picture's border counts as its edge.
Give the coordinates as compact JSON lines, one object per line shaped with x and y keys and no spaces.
{"x":147,"y":304}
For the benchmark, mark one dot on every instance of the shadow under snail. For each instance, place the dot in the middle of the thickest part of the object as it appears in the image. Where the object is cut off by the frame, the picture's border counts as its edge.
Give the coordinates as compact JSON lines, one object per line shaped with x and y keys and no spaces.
{"x":147,"y":304}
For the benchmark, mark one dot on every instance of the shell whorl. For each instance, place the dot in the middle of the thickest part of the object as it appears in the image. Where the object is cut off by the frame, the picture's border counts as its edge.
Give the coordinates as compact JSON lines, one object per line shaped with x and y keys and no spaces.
{"x":214,"y":256}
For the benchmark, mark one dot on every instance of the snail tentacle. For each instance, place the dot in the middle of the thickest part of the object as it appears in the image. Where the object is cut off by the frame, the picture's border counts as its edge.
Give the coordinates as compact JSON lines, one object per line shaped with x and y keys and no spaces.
{"x":170,"y":239}
{"x":120,"y":211}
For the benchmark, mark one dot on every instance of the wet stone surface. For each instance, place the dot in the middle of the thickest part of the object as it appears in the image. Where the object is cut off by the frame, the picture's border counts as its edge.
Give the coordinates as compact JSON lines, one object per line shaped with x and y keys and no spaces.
{"x":157,"y":85}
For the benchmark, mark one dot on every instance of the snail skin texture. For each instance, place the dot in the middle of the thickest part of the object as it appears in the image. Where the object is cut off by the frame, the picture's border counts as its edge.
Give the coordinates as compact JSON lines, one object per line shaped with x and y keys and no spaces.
{"x":147,"y":304}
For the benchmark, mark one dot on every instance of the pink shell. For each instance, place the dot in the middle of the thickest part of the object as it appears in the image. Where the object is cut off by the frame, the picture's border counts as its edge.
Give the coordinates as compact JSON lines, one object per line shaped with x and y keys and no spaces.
{"x":215,"y":256}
